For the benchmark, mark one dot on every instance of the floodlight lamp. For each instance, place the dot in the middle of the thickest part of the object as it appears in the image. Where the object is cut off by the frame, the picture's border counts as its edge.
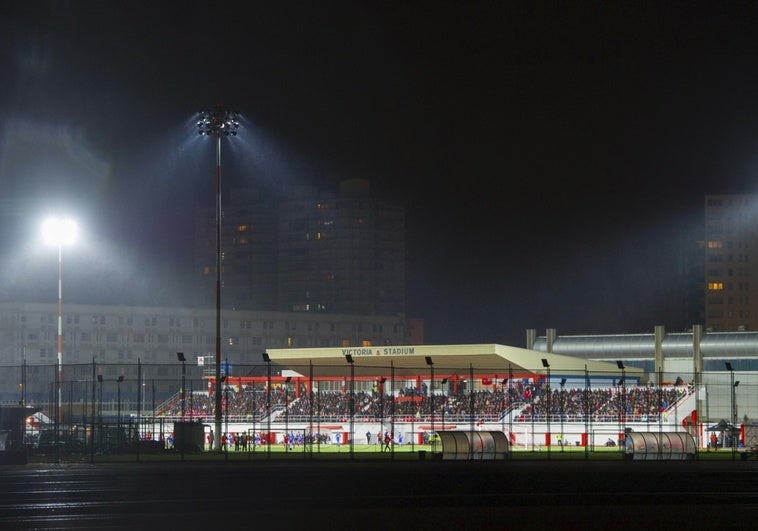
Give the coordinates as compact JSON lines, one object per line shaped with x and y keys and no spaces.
{"x":180,"y":357}
{"x":736,"y":383}
{"x":545,"y":363}
{"x":349,"y":358}
{"x":217,"y":122}
{"x":620,"y":364}
{"x":266,"y":357}
{"x":120,"y":379}
{"x":59,"y":232}
{"x":728,"y":366}
{"x":429,"y":360}
{"x":563,"y":382}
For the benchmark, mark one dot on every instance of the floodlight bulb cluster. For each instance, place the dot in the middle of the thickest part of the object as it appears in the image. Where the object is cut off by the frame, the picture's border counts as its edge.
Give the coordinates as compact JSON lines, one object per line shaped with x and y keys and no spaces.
{"x":59,"y":232}
{"x":218,"y":122}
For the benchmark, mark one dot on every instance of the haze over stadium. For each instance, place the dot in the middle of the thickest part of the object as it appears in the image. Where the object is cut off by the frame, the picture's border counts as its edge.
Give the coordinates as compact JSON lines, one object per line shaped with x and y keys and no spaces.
{"x":552,"y":159}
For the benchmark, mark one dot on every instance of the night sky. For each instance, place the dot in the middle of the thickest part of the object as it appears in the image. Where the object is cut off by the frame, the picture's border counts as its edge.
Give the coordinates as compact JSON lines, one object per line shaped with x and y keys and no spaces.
{"x":552,"y":159}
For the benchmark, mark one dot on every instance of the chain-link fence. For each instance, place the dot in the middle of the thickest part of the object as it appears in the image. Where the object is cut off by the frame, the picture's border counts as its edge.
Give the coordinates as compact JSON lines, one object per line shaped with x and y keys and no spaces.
{"x":110,"y":407}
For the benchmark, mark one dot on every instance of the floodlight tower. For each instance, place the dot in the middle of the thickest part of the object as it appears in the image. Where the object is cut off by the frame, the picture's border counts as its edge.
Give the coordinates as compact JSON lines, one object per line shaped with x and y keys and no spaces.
{"x":218,"y":122}
{"x":57,"y":233}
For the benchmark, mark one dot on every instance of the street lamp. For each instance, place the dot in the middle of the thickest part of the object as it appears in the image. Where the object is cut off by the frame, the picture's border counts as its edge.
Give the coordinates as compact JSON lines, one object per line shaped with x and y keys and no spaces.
{"x":287,"y":414}
{"x":351,"y":401}
{"x":100,"y":409}
{"x":431,"y":391}
{"x":58,"y":232}
{"x":267,"y":359}
{"x":225,"y":447}
{"x":118,"y":422}
{"x":733,"y":412}
{"x":381,"y":407}
{"x":218,"y":122}
{"x":182,"y":359}
{"x":563,"y":403}
{"x":622,"y":413}
{"x":547,"y":366}
{"x":734,"y":401}
{"x":444,"y":407}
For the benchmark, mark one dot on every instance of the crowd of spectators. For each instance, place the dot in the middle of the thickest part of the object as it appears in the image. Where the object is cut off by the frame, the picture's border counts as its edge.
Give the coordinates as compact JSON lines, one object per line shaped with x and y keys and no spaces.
{"x":526,"y":401}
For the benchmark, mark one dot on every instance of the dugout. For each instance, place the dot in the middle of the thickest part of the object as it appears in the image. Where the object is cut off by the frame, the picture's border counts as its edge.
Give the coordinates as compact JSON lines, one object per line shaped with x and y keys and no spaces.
{"x":472,"y":445}
{"x":659,"y":446}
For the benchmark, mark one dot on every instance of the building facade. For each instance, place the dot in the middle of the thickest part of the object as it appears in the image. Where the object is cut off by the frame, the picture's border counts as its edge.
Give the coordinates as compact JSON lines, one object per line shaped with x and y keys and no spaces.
{"x":730,"y":250}
{"x":307,"y":251}
{"x":123,"y":340}
{"x":697,"y":357}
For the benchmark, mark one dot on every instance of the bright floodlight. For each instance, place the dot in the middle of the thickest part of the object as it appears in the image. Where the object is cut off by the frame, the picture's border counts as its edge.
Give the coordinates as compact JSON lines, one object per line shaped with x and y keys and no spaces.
{"x":59,"y":232}
{"x":218,"y":122}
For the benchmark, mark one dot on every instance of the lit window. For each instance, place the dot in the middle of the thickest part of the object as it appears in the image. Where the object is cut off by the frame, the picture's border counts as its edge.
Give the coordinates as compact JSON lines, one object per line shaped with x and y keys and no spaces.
{"x":715,"y":244}
{"x":715,"y":286}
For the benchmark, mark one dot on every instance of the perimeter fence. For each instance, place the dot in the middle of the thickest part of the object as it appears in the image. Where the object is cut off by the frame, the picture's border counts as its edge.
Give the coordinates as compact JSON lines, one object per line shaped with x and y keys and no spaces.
{"x":112,"y":406}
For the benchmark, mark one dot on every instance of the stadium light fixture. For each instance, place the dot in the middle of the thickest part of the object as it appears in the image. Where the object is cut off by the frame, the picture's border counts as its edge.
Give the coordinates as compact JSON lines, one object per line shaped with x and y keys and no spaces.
{"x":218,"y":122}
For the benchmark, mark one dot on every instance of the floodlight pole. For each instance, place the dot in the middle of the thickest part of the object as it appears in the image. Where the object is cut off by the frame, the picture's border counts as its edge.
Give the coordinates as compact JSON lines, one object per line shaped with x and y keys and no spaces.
{"x":218,"y":122}
{"x":59,"y":343}
{"x":59,"y":232}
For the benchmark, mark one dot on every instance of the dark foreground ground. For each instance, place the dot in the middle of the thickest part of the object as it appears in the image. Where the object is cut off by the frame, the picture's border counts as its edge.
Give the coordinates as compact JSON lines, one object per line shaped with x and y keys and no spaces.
{"x":381,"y":495}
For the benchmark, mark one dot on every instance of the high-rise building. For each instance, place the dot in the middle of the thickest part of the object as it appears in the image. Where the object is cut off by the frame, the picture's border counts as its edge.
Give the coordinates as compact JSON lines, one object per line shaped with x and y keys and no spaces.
{"x":731,"y":262}
{"x":305,"y":250}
